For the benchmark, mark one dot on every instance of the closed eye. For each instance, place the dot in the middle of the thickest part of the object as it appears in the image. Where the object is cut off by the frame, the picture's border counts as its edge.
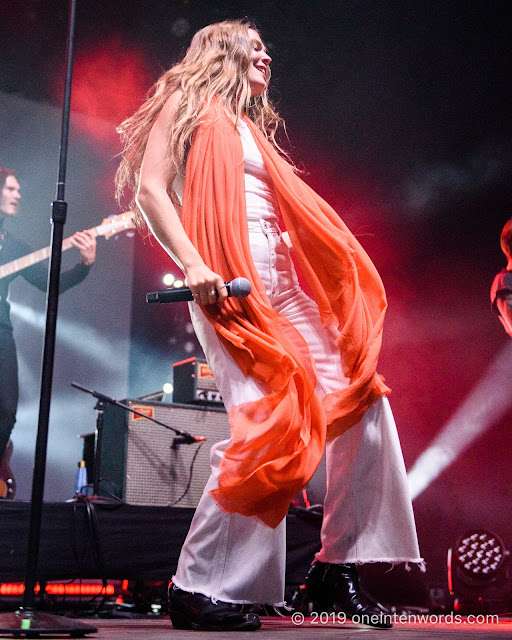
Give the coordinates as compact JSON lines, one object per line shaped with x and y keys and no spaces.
{"x":258,"y":46}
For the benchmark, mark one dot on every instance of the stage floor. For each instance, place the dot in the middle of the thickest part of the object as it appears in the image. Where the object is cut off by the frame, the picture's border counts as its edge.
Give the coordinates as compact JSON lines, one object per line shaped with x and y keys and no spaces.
{"x":278,"y":628}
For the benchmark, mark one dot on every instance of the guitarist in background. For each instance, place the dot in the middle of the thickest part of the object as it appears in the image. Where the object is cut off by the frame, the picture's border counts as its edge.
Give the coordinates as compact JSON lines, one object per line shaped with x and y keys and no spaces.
{"x":37,"y":274}
{"x":501,"y":290}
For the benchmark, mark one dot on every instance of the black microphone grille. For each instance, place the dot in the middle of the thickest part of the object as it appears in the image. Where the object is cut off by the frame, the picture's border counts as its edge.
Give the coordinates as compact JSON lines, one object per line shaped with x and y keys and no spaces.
{"x":240,"y":288}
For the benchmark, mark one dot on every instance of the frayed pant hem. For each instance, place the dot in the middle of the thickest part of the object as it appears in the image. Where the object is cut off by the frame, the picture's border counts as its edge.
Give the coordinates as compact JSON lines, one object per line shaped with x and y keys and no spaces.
{"x":420,"y":562}
{"x":215,"y":598}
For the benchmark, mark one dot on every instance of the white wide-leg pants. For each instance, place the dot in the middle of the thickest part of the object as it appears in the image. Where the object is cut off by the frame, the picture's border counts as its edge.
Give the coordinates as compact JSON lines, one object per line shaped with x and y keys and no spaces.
{"x":367,"y":510}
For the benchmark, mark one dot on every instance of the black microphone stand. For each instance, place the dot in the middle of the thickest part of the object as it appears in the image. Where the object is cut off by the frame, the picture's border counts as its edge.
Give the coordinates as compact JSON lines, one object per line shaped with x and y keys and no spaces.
{"x":26,"y":621}
{"x":183,"y":437}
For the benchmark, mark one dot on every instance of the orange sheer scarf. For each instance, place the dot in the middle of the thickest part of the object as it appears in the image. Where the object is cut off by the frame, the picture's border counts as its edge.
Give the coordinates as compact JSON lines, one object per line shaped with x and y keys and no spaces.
{"x":278,"y":441}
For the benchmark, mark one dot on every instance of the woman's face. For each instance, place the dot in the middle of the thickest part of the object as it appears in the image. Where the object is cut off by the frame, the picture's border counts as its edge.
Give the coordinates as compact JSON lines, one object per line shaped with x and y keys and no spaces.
{"x":259,"y":65}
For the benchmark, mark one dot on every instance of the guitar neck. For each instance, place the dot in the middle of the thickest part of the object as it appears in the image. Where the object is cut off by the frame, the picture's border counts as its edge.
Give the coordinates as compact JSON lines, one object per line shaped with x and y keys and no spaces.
{"x":32,"y":258}
{"x":109,"y":227}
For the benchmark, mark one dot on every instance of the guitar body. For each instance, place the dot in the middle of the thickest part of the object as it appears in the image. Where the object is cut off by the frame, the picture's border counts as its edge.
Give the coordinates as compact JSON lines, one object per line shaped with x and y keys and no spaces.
{"x":7,"y":482}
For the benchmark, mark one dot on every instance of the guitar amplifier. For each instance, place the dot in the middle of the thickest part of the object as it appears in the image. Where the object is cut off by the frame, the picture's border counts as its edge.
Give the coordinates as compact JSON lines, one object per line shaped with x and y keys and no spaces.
{"x":194,"y":383}
{"x":138,"y":462}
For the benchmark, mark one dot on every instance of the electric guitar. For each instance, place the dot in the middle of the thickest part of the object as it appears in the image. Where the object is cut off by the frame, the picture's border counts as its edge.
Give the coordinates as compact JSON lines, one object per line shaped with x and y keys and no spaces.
{"x":108,"y":228}
{"x":7,"y":483}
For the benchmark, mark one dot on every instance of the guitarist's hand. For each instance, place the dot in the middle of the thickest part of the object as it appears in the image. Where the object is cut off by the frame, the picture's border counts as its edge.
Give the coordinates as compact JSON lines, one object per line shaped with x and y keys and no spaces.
{"x":86,"y":243}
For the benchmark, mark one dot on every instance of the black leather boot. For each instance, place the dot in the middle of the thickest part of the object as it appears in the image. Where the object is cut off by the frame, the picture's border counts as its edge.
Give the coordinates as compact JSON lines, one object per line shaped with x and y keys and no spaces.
{"x":334,"y":588}
{"x":200,"y":613}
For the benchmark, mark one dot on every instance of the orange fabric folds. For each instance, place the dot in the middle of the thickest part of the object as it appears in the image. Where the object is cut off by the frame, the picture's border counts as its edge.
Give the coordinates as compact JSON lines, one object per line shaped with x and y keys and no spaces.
{"x":278,"y":441}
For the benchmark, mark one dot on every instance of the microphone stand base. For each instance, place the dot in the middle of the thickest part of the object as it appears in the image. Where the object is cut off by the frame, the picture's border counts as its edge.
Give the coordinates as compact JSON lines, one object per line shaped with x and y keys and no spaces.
{"x":29,"y":623}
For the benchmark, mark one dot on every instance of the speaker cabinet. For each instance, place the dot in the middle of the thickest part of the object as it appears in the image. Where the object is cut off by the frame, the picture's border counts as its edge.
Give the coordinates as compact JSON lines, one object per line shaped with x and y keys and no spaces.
{"x":140,"y":464}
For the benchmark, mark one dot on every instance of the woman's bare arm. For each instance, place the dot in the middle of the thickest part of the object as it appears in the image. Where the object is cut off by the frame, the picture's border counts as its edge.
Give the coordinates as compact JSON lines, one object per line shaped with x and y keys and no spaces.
{"x":156,"y":176}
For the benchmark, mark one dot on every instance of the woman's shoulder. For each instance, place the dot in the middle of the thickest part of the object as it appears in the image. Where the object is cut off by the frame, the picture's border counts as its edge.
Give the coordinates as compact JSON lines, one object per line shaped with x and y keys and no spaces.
{"x":172,"y":102}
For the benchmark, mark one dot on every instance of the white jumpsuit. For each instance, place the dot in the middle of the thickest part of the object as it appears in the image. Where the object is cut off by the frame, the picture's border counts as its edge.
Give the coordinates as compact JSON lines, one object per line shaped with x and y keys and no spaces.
{"x":367,"y":509}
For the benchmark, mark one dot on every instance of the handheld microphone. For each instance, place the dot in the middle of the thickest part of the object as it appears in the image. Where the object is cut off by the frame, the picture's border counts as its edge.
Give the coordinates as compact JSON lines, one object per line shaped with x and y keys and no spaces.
{"x":237,"y":288}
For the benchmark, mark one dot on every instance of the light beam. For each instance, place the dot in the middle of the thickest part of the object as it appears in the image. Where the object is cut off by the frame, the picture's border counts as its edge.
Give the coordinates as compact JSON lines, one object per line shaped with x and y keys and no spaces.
{"x":485,"y":405}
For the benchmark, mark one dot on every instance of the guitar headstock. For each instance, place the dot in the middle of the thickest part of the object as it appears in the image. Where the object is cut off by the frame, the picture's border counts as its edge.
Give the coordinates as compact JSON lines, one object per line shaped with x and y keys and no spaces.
{"x":111,"y":226}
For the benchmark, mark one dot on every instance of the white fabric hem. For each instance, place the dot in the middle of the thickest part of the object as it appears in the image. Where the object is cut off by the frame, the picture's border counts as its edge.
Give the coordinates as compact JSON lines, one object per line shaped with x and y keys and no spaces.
{"x":392,"y":561}
{"x":215,"y":599}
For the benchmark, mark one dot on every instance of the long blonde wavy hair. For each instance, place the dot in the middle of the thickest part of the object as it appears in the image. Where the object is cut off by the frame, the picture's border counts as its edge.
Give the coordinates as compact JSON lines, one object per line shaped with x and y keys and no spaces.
{"x":215,"y":66}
